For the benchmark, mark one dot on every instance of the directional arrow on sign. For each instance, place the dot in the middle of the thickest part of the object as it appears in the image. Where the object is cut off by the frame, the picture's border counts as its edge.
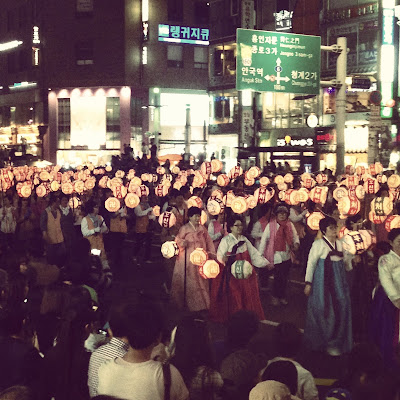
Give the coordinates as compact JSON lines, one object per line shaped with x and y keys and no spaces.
{"x":278,"y":70}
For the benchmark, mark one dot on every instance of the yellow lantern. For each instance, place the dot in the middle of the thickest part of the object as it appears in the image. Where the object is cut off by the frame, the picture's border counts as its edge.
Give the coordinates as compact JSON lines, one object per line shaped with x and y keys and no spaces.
{"x":282,"y":186}
{"x":216,"y":193}
{"x":241,"y":269}
{"x":44,"y":176}
{"x":313,"y":220}
{"x":319,"y":194}
{"x":108,"y":168}
{"x":279,"y":180}
{"x":160,"y":170}
{"x":54,"y":186}
{"x":144,"y":177}
{"x":41,"y":191}
{"x":392,"y":222}
{"x":291,"y":197}
{"x":303,"y":195}
{"x":112,"y":204}
{"x":90,"y":183}
{"x":103,"y":181}
{"x":249,"y":181}
{"x":239,"y":205}
{"x":228,"y":198}
{"x":67,"y":188}
{"x":263,"y":195}
{"x":382,"y":206}
{"x":136,"y":181}
{"x":349,"y":206}
{"x":393,"y":181}
{"x":251,"y":201}
{"x":215,"y":206}
{"x":74,"y":202}
{"x":216,"y":165}
{"x":305,"y":176}
{"x":132,"y":200}
{"x":169,"y":249}
{"x":371,"y":185}
{"x":198,"y":257}
{"x":26,"y":191}
{"x":203,"y":217}
{"x":175,"y":170}
{"x":199,"y":180}
{"x":209,"y":270}
{"x":264,"y":181}
{"x":167,"y":219}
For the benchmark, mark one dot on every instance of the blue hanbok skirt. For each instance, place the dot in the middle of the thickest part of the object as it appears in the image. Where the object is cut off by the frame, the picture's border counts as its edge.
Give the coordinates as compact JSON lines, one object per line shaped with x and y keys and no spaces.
{"x":327,"y":328}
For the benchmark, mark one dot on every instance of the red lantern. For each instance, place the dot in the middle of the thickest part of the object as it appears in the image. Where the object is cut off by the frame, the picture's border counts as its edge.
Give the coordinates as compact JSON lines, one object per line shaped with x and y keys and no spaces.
{"x":319,"y":194}
{"x":352,"y":180}
{"x":376,"y":219}
{"x":371,"y":185}
{"x":209,"y":270}
{"x":161,"y":190}
{"x":235,"y":172}
{"x":392,"y":222}
{"x":195,"y":201}
{"x":206,"y":168}
{"x":349,"y":206}
{"x":263,"y":194}
{"x":239,"y":205}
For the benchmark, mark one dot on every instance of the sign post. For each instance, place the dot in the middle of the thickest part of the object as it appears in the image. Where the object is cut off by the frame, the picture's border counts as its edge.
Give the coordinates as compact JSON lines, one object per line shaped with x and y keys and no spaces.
{"x":278,"y":62}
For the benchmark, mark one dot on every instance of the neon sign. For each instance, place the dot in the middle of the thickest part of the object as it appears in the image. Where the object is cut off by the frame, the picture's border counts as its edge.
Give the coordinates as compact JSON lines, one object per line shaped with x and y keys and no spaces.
{"x":10,"y":45}
{"x":183,"y":34}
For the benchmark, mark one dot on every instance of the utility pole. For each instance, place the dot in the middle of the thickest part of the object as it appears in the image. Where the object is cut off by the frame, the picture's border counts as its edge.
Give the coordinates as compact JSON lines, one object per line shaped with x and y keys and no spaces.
{"x":339,"y":83}
{"x":188,"y":133}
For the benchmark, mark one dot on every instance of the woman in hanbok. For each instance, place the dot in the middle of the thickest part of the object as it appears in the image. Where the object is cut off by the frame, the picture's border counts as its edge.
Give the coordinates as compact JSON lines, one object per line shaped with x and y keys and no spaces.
{"x":328,"y":321}
{"x":230,"y":294}
{"x":385,"y":313}
{"x":189,"y":289}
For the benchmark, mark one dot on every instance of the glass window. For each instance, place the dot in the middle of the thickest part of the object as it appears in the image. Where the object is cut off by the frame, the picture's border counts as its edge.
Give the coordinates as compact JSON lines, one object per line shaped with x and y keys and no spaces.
{"x":224,"y":60}
{"x":84,"y":52}
{"x":113,"y":130}
{"x":175,"y":56}
{"x":224,"y":108}
{"x":201,"y":57}
{"x":136,"y":111}
{"x":64,"y":123}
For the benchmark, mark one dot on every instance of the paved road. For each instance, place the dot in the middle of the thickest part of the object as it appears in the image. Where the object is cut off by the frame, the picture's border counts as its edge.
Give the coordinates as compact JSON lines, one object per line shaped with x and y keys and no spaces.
{"x":148,"y":279}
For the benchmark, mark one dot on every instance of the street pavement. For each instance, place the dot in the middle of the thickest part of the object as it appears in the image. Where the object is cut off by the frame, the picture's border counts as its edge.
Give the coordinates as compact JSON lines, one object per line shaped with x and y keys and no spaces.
{"x":147,"y":280}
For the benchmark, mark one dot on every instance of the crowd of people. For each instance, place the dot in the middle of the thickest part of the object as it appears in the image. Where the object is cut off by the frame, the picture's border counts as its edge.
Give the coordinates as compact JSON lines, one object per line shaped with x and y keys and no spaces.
{"x":63,"y":336}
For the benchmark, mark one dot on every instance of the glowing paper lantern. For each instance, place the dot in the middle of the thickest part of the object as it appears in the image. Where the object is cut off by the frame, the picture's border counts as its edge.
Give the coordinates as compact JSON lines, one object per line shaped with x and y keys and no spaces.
{"x":74,"y":202}
{"x":145,"y":177}
{"x":103,"y":181}
{"x":392,"y":222}
{"x":321,"y":178}
{"x":288,"y":178}
{"x":44,"y":176}
{"x":394,"y":194}
{"x":112,"y":204}
{"x":143,"y":191}
{"x":136,"y":181}
{"x":376,"y":219}
{"x":371,"y":185}
{"x":203,"y":217}
{"x":308,"y":183}
{"x":303,"y":195}
{"x":177,"y":185}
{"x":349,"y":206}
{"x":263,"y":195}
{"x":352,"y":180}
{"x":313,"y":220}
{"x":339,"y":193}
{"x":393,"y":181}
{"x":251,"y":201}
{"x":291,"y":197}
{"x":108,"y":168}
{"x":119,"y":191}
{"x":160,"y":170}
{"x":241,"y":269}
{"x":254,"y":172}
{"x":198,"y":257}
{"x":319,"y":194}
{"x":382,"y":206}
{"x":215,"y":206}
{"x":25,"y":191}
{"x":279,"y":180}
{"x":132,"y":200}
{"x":206,"y":168}
{"x":54,"y":186}
{"x":90,"y":183}
{"x":235,"y":172}
{"x":223,"y":180}
{"x":305,"y":176}
{"x":239,"y":205}
{"x":360,"y":170}
{"x":264,"y":181}
{"x":195,"y":201}
{"x":175,"y":170}
{"x":249,"y":181}
{"x":282,"y":186}
{"x":209,"y":270}
{"x":199,"y":180}
{"x":216,"y":165}
{"x":169,"y":249}
{"x":67,"y":188}
{"x":381,"y":178}
{"x":167,"y":219}
{"x":354,"y":243}
{"x":342,"y":232}
{"x":161,"y":190}
{"x":216,"y":193}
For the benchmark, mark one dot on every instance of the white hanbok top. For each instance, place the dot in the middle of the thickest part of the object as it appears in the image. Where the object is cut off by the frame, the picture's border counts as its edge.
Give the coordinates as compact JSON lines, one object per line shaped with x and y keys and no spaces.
{"x":320,"y":249}
{"x":389,"y":274}
{"x":229,"y":241}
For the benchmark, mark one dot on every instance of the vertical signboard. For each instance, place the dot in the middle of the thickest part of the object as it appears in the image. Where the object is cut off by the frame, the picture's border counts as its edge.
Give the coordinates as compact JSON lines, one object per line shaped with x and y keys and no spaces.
{"x":278,"y":62}
{"x":248,"y":14}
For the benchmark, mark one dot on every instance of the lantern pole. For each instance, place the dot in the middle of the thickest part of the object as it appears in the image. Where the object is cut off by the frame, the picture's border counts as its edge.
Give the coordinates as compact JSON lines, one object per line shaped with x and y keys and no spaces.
{"x":184,"y":282}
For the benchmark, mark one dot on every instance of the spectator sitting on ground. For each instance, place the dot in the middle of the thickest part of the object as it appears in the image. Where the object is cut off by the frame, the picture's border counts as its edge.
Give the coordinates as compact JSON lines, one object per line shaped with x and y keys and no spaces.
{"x":288,"y":341}
{"x":284,"y":372}
{"x":135,"y":374}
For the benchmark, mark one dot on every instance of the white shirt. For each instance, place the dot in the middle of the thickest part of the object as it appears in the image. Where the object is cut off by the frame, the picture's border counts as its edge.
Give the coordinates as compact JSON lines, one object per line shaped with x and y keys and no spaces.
{"x":229,"y":241}
{"x":138,"y":381}
{"x":306,"y":388}
{"x":320,"y":249}
{"x":389,"y":274}
{"x":279,"y":256}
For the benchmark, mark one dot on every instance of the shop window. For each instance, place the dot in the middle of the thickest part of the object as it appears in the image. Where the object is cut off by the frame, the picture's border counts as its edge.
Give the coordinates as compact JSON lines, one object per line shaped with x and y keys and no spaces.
{"x":175,"y":56}
{"x":84,"y":52}
{"x":224,"y":109}
{"x":201,"y":57}
{"x":224,"y":61}
{"x":136,"y":111}
{"x":201,"y":11}
{"x":175,"y":10}
{"x":113,"y":128}
{"x":64,"y":123}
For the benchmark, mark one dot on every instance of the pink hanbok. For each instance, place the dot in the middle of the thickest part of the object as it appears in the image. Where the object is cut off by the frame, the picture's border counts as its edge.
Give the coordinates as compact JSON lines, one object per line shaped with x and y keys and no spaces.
{"x":197,"y":295}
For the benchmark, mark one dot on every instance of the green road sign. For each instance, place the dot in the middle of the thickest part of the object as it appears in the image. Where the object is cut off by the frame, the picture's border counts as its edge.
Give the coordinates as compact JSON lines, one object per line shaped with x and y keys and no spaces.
{"x":278,"y":62}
